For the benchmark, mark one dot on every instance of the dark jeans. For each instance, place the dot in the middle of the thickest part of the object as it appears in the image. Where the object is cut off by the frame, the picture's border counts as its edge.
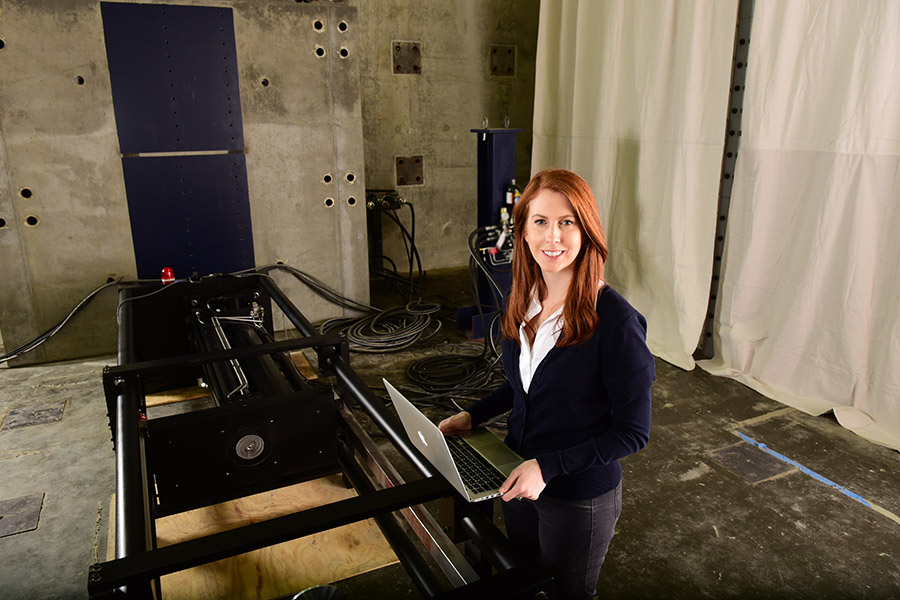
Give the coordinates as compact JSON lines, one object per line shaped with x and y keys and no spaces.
{"x":569,"y":536}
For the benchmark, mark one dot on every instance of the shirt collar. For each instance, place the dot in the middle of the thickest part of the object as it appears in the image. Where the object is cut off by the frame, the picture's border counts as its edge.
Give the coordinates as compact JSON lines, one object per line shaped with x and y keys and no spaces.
{"x":533,"y":309}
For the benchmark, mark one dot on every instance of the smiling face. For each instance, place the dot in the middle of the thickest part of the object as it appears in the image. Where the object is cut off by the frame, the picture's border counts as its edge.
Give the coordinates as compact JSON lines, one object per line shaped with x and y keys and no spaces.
{"x":552,"y":232}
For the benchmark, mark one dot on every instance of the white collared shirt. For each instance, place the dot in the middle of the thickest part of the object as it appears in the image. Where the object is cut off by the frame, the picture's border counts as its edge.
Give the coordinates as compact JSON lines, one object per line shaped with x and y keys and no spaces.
{"x":544,"y":340}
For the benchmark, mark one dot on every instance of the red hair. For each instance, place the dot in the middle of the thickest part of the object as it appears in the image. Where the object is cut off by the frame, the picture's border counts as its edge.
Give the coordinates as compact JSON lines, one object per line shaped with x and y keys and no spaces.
{"x":580,"y":309}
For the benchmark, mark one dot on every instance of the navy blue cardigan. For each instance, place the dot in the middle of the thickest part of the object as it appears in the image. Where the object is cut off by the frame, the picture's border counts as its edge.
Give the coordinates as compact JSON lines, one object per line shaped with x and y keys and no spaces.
{"x":587,"y":406}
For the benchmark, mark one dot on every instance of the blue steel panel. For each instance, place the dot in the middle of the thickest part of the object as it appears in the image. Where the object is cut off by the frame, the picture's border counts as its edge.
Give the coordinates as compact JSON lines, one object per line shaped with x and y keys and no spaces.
{"x":496,"y":168}
{"x":191,"y":213}
{"x":174,"y":77}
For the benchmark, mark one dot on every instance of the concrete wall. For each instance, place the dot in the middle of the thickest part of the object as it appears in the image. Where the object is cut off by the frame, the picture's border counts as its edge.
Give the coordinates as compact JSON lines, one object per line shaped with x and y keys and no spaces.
{"x":431,"y":114}
{"x":58,"y":139}
{"x":321,"y":131}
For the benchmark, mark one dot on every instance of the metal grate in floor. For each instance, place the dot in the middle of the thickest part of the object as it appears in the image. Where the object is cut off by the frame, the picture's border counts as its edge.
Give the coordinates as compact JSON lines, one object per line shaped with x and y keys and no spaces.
{"x":20,"y":514}
{"x":33,"y":415}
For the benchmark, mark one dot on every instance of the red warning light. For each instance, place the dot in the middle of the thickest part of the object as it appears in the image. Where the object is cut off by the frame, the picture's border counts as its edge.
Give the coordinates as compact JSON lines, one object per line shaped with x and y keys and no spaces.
{"x":168,"y":275}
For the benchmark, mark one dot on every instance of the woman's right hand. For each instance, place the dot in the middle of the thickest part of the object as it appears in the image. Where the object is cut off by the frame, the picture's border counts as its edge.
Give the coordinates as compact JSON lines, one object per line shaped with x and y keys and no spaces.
{"x":458,"y":422}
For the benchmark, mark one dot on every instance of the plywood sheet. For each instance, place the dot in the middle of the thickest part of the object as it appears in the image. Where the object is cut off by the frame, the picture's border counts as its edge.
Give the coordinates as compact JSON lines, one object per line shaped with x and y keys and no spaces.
{"x":278,"y":570}
{"x":175,"y":396}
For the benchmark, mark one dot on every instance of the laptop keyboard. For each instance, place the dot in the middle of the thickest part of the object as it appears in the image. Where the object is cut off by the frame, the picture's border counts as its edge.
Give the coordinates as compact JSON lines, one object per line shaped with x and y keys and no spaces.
{"x":477,"y":473}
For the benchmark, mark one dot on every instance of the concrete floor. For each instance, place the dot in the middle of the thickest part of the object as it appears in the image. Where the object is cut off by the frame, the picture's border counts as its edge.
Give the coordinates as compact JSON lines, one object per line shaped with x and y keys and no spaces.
{"x":691,"y":527}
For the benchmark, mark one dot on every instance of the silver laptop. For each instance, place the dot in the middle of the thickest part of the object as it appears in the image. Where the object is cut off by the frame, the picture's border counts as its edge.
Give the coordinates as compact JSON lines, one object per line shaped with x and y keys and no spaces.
{"x":475,"y":462}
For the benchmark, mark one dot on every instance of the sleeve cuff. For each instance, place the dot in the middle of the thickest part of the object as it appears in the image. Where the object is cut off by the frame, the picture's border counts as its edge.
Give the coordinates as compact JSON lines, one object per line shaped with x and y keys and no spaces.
{"x":551,"y":465}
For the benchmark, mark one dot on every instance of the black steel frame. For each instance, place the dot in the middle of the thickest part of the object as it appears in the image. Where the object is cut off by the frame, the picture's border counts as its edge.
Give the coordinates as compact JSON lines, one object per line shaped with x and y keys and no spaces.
{"x":139,"y":564}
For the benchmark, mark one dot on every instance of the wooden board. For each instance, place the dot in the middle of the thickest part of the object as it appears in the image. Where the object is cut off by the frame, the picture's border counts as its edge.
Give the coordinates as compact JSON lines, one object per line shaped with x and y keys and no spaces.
{"x":173,"y":396}
{"x":302,"y":363}
{"x":278,"y":570}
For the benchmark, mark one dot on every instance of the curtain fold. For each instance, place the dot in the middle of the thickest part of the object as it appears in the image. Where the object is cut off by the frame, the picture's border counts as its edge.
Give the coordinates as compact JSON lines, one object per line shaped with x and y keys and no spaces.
{"x":810,"y":300}
{"x":632,"y":95}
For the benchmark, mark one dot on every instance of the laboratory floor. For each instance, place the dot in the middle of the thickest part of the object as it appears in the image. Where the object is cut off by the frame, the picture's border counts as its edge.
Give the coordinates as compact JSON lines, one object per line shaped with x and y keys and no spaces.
{"x":736,"y":496}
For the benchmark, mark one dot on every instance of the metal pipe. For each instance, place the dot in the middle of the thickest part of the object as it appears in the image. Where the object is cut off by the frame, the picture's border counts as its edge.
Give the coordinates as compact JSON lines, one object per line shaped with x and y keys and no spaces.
{"x":126,"y":328}
{"x":131,"y":524}
{"x":489,"y":540}
{"x":419,"y":571}
{"x":134,"y":533}
{"x":288,"y":368}
{"x":235,"y":365}
{"x":263,"y":374}
{"x":221,"y":379}
{"x":352,"y":383}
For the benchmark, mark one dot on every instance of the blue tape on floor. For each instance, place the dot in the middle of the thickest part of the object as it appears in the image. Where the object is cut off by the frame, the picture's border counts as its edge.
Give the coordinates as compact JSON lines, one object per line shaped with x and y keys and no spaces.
{"x":809,"y":472}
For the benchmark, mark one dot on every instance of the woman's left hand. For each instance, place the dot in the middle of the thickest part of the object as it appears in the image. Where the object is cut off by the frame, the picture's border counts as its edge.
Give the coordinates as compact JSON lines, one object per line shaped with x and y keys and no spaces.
{"x":525,"y":481}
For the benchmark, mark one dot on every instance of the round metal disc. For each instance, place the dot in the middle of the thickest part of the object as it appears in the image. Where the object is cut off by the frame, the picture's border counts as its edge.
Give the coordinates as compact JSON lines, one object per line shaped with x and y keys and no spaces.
{"x":250,"y":447}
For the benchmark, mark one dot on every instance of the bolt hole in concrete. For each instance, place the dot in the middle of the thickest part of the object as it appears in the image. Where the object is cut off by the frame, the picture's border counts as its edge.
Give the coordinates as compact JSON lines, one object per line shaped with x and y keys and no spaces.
{"x":350,"y":177}
{"x":327,"y":179}
{"x":329,"y":202}
{"x":342,"y":26}
{"x":2,"y":223}
{"x":2,"y":44}
{"x":32,"y":221}
{"x":344,"y":53}
{"x":79,"y":80}
{"x":25,"y":192}
{"x":351,"y":200}
{"x":320,"y":51}
{"x":265,"y":82}
{"x":318,"y":25}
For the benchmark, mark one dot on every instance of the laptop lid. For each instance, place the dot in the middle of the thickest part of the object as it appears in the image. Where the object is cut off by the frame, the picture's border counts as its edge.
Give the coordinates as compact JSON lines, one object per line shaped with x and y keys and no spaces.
{"x":429,"y":440}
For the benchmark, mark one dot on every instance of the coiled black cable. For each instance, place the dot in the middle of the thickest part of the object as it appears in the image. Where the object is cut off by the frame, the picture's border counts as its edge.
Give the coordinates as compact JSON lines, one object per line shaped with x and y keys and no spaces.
{"x":386,"y":331}
{"x":456,"y":373}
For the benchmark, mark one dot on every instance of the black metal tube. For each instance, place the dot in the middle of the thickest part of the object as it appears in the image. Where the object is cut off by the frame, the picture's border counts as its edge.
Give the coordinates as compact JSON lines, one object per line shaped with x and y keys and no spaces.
{"x":489,"y":540}
{"x":133,"y":525}
{"x":263,"y":374}
{"x":406,"y":552}
{"x":130,"y":522}
{"x":288,"y":368}
{"x":352,"y":383}
{"x":126,"y":338}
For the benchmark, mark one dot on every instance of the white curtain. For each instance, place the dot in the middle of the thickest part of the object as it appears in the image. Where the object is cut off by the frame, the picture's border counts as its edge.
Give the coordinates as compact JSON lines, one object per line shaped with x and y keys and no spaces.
{"x":810,"y":301}
{"x":632,"y":95}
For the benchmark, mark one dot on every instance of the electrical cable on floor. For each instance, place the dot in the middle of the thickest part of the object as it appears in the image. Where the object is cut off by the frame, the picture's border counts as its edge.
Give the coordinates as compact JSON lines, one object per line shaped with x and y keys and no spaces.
{"x":388,"y":203}
{"x":451,"y":375}
{"x":28,"y":347}
{"x":377,"y":331}
{"x":319,"y":288}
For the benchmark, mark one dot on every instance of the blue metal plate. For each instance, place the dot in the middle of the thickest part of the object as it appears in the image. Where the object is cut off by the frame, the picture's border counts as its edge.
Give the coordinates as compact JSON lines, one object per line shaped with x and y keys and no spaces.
{"x":174,"y":77}
{"x":191,"y":213}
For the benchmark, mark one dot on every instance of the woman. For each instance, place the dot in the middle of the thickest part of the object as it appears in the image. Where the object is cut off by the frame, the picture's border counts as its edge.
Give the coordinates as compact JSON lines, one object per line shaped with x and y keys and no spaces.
{"x":578,"y":384}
